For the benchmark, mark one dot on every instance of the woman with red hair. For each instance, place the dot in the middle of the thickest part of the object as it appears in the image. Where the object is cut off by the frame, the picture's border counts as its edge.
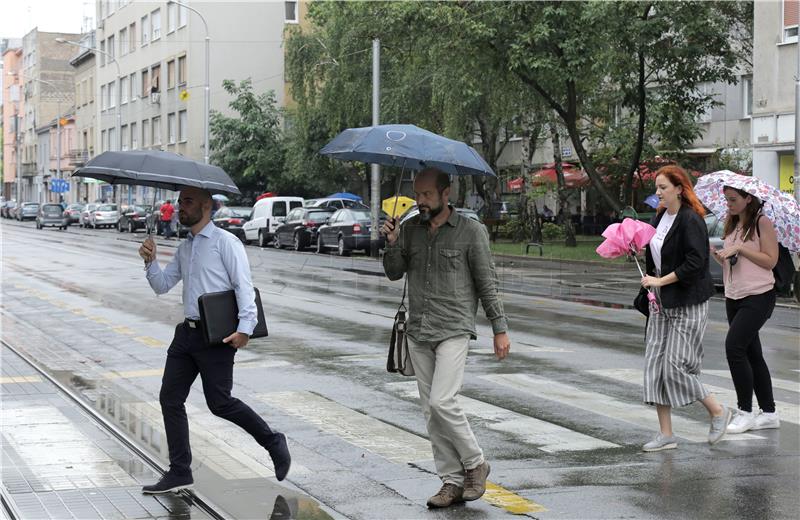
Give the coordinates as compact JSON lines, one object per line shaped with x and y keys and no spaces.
{"x":677,"y":270}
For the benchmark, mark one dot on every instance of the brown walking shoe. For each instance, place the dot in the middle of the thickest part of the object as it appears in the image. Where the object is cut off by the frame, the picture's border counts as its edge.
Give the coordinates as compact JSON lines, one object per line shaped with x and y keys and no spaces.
{"x":447,"y":496}
{"x":475,"y":482}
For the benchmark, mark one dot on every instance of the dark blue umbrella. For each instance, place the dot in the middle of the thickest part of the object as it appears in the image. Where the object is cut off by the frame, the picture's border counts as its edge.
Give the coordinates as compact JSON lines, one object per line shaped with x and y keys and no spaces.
{"x":406,"y":146}
{"x":157,"y":169}
{"x":344,"y":195}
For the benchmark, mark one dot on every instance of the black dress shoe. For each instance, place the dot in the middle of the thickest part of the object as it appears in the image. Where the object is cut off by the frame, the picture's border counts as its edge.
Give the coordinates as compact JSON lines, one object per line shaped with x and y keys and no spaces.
{"x":281,"y":459}
{"x":169,"y":483}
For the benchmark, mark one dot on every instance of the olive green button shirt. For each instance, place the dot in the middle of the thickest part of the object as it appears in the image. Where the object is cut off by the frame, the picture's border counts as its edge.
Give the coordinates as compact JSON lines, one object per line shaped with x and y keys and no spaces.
{"x":447,"y":274}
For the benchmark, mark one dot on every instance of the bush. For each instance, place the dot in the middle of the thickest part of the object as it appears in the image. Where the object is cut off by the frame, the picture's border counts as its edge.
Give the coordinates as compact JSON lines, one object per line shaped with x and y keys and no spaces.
{"x":552,"y":231}
{"x":516,"y":229}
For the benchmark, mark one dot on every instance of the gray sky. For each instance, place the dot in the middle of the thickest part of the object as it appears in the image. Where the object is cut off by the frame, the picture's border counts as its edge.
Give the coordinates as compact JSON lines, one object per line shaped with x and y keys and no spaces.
{"x":18,"y":18}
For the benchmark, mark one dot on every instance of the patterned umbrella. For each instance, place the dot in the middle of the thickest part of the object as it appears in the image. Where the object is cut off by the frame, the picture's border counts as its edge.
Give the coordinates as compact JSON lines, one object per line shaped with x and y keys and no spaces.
{"x":781,"y":208}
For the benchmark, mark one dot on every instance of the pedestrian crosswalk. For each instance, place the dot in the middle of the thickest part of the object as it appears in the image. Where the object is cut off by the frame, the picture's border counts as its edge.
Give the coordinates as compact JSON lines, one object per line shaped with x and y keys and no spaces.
{"x":788,"y":412}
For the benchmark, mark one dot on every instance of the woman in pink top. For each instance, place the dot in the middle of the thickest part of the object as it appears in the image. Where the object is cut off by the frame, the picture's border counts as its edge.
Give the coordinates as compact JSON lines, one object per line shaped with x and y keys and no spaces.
{"x":750,"y":253}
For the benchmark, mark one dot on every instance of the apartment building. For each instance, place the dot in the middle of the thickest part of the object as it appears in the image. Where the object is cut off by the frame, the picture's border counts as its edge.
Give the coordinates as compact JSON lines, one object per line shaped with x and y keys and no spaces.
{"x":155,"y":81}
{"x":13,"y":108}
{"x":775,"y":63}
{"x":84,"y":62}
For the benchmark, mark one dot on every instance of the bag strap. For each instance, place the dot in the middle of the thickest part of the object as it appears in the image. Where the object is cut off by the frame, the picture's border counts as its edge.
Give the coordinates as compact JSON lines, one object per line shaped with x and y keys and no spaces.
{"x":403,"y":299}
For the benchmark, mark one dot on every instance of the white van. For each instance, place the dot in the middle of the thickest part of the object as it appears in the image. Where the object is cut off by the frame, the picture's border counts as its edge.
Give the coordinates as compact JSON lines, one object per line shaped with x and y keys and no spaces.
{"x":268,"y":214}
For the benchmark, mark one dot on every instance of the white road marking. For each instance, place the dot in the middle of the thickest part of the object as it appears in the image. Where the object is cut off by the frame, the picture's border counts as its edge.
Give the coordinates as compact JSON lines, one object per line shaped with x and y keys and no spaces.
{"x":783,"y":384}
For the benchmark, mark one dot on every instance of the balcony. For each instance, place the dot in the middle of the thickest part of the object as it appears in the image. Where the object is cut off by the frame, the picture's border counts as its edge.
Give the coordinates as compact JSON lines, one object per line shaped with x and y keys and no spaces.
{"x":29,"y":169}
{"x":78,"y":157}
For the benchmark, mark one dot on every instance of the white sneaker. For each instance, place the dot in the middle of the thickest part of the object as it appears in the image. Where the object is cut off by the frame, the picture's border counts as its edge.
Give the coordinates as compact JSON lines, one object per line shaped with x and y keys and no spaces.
{"x":742,"y":422}
{"x":766,"y":420}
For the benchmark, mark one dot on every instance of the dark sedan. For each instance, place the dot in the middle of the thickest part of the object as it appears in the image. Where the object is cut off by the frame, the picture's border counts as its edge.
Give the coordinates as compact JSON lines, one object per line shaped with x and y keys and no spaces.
{"x":232,"y":219}
{"x":133,"y":218}
{"x":347,"y":230}
{"x":300,"y":227}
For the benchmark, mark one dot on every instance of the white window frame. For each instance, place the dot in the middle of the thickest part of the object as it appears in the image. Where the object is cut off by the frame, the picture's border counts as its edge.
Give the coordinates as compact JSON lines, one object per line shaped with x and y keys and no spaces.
{"x":172,"y":17}
{"x":112,"y":94}
{"x":103,"y":141}
{"x":180,"y":73}
{"x":124,"y":131}
{"x":124,"y":42}
{"x":183,"y":16}
{"x":155,"y":25}
{"x":747,"y":96}
{"x":131,"y":37}
{"x":145,"y":133}
{"x":112,"y":139}
{"x":183,"y":126}
{"x":785,"y":30}
{"x":103,"y":99}
{"x":133,"y":95}
{"x":155,"y":126}
{"x":296,"y":12}
{"x":134,"y":136}
{"x":102,"y":53}
{"x":145,"y":30}
{"x":172,"y":130}
{"x":111,"y":46}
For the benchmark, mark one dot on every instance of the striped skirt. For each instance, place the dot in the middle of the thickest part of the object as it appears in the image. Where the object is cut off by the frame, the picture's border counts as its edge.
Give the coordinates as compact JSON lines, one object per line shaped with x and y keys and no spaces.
{"x":674,"y":354}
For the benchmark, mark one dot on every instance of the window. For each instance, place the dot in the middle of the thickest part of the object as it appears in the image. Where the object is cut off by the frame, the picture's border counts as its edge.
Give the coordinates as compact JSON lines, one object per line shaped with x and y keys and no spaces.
{"x":156,"y":130}
{"x":155,"y":78}
{"x":171,"y":129}
{"x":791,"y":13}
{"x":102,"y":53}
{"x":182,"y":70}
{"x":103,"y":101}
{"x":703,"y":90}
{"x":145,"y":30}
{"x":126,"y":87}
{"x":747,"y":96}
{"x":145,"y":84}
{"x":183,"y":15}
{"x":172,"y":17}
{"x":291,"y":12}
{"x":182,"y":126}
{"x":110,"y":47}
{"x":125,"y":138}
{"x":133,"y":86}
{"x":91,"y":89}
{"x":123,"y":42}
{"x":103,"y":141}
{"x":279,"y":209}
{"x":171,"y":72}
{"x":146,"y":133}
{"x":134,"y":137}
{"x":112,"y":94}
{"x":132,"y":37}
{"x":112,"y":138}
{"x":155,"y":24}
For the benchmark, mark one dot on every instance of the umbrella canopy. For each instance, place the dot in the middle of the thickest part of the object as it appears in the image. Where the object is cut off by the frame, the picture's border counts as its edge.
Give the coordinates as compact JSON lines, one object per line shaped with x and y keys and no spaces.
{"x":157,"y":169}
{"x":781,"y":208}
{"x":407,"y":146}
{"x":653,"y":201}
{"x":630,"y":236}
{"x":402,"y":205}
{"x":220,"y":197}
{"x":574,"y":176}
{"x":344,"y":195}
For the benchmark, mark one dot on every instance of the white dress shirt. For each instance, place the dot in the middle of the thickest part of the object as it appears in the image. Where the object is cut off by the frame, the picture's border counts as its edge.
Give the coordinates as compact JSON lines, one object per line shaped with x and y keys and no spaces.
{"x":212,"y":261}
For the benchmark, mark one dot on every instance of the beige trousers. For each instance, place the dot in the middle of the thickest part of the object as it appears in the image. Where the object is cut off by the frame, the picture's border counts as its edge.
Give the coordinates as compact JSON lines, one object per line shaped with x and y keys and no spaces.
{"x":439,"y":369}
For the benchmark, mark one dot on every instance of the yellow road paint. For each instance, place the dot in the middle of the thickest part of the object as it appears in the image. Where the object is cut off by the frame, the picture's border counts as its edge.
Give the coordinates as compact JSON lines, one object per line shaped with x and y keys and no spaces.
{"x":77,"y":310}
{"x":123,"y":330}
{"x":134,"y":373}
{"x":99,"y":319}
{"x":150,"y":342}
{"x":20,"y":379}
{"x":500,"y":497}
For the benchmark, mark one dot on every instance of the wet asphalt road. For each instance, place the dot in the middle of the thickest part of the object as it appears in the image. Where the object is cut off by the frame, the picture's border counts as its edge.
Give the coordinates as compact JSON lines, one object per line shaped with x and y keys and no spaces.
{"x":560,"y":420}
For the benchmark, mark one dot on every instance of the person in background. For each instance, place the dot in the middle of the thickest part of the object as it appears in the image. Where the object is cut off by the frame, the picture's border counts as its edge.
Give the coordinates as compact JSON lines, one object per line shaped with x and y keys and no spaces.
{"x":749,"y":254}
{"x":677,"y":269}
{"x":166,"y":218}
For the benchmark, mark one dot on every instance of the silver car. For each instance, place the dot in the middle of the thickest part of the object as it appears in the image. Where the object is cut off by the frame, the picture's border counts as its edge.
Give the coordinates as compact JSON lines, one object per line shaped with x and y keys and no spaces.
{"x":52,"y":215}
{"x":83,"y":219}
{"x":715,"y":229}
{"x":106,"y":215}
{"x":27,"y":211}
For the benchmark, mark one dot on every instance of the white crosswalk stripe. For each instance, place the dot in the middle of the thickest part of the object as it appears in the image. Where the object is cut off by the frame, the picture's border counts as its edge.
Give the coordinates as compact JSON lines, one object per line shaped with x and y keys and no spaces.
{"x":637,"y":414}
{"x":543,"y":435}
{"x":783,"y":384}
{"x":786,"y":411}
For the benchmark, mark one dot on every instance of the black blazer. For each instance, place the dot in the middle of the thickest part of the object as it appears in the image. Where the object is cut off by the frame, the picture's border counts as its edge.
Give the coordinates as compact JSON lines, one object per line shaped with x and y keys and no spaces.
{"x":686,"y":253}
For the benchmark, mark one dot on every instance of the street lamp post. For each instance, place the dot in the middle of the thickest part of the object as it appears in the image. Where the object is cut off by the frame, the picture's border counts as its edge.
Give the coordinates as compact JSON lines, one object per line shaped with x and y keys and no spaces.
{"x":207,"y":86}
{"x":118,"y":103}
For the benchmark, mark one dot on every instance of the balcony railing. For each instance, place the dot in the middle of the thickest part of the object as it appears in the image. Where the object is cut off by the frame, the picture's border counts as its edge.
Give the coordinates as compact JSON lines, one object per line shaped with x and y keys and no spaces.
{"x":78,"y":157}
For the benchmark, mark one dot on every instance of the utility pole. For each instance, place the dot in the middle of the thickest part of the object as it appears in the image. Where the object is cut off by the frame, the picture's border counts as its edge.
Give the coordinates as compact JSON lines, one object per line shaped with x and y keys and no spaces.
{"x":375,"y":183}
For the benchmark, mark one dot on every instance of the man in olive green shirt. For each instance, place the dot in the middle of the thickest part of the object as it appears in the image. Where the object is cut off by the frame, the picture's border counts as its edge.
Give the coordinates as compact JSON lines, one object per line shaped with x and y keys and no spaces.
{"x":449,"y":267}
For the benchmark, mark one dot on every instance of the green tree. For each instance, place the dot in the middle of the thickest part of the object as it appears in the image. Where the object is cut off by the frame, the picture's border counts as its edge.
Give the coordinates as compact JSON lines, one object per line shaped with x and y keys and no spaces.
{"x":249,"y":147}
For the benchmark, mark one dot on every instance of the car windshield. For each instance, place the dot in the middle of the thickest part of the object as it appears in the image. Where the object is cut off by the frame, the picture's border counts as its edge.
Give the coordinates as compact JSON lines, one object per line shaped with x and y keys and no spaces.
{"x":310,"y":203}
{"x":107,"y":207}
{"x":138,"y":209}
{"x":75,"y":206}
{"x":240,"y":212}
{"x":52,"y":208}
{"x":318,"y":216}
{"x":31,"y":205}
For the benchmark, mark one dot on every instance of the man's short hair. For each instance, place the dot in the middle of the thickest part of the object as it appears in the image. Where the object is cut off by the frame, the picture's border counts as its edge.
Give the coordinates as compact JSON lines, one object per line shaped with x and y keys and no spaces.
{"x":442,"y":179}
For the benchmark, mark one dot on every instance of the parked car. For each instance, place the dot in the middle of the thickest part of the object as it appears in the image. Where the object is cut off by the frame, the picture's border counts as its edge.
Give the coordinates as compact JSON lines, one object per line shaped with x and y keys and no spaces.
{"x":348,"y":230}
{"x":106,"y":215}
{"x":133,"y":218}
{"x":27,"y":211}
{"x":7,"y":209}
{"x":269,"y":213}
{"x":334,"y":203}
{"x":52,"y":215}
{"x":83,"y":220}
{"x":232,"y":218}
{"x":715,"y":229}
{"x":464,"y":212}
{"x":73,"y":213}
{"x":300,"y":228}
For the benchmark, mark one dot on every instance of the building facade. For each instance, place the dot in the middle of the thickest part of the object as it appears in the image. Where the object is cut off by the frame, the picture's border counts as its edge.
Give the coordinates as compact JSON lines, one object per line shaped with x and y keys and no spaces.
{"x":157,"y":90}
{"x":84,"y":62}
{"x":775,"y":63}
{"x":13,"y":109}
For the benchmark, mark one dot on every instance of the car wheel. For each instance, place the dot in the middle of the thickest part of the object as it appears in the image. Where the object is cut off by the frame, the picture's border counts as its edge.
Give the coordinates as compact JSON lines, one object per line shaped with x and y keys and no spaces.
{"x":298,"y":245}
{"x":276,"y":242}
{"x":320,"y":246}
{"x":119,"y":227}
{"x":341,"y":249}
{"x":131,"y":229}
{"x":262,"y":240}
